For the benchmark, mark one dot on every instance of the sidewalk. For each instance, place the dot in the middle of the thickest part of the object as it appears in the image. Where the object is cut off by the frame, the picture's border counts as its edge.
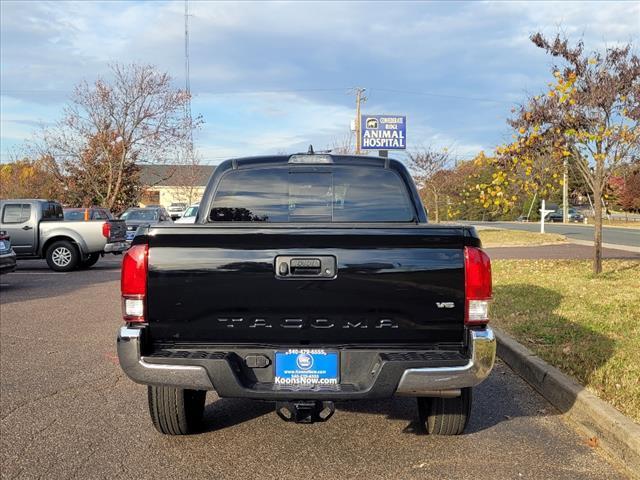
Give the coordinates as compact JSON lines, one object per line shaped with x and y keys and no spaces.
{"x":614,"y":246}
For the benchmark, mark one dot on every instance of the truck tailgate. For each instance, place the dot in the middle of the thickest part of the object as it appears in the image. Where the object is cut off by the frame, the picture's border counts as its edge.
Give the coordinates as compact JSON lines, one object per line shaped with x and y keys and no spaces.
{"x":118,"y":231}
{"x":216,"y":285}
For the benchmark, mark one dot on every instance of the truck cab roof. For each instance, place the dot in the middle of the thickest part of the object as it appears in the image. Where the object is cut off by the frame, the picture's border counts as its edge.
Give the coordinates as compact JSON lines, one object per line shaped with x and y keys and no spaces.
{"x":310,"y":159}
{"x":358,"y":184}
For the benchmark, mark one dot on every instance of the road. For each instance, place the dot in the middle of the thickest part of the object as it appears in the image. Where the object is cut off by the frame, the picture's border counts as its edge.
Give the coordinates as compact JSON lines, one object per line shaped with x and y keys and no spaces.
{"x":613,"y":235}
{"x":67,"y":411}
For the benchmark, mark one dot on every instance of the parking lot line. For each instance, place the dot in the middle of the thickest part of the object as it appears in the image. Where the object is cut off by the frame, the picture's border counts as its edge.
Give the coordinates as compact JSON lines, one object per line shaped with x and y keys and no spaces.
{"x":40,"y":273}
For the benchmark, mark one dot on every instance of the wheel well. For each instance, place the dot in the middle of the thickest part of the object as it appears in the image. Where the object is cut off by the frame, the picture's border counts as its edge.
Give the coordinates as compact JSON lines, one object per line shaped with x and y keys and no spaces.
{"x":48,"y":243}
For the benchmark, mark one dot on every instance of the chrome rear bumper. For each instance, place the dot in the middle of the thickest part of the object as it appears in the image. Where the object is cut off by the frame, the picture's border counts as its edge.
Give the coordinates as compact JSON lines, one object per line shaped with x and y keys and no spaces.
{"x":424,"y":381}
{"x":116,"y":247}
{"x":428,"y":381}
{"x":181,"y":376}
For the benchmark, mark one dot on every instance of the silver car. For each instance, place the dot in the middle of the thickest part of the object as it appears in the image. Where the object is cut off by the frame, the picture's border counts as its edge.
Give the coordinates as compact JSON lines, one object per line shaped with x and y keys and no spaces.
{"x":176,"y":210}
{"x":189,"y":215}
{"x":7,"y":255}
{"x":134,"y":217}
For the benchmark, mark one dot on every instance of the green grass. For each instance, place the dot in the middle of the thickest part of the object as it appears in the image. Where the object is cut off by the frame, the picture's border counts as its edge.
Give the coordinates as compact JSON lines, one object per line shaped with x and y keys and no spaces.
{"x":514,"y":238}
{"x":586,"y":325}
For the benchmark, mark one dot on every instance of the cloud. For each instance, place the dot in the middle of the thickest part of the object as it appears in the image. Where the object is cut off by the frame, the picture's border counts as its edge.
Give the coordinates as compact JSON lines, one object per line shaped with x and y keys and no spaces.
{"x":20,"y":119}
{"x":599,"y":23}
{"x":453,"y":68}
{"x":248,"y":125}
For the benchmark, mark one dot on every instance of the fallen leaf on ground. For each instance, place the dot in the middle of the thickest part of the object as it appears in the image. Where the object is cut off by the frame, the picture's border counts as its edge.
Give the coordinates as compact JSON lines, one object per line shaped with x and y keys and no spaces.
{"x":592,"y":442}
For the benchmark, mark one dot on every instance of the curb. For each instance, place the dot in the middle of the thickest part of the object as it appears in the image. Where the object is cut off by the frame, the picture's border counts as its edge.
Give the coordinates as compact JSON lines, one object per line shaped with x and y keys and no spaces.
{"x":619,"y":436}
{"x":524,"y":245}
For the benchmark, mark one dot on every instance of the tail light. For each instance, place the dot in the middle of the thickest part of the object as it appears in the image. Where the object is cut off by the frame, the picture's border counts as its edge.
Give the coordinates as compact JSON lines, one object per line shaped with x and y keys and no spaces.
{"x":477,"y":286}
{"x":106,"y":229}
{"x":133,"y":283}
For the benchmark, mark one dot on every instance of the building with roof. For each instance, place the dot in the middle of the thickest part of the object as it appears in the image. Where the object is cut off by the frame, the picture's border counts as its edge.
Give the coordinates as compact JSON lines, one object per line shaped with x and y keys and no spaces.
{"x":167,"y":184}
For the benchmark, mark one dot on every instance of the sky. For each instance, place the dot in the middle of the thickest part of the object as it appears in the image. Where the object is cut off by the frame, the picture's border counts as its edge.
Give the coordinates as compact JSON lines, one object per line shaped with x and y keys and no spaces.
{"x":273,"y":77}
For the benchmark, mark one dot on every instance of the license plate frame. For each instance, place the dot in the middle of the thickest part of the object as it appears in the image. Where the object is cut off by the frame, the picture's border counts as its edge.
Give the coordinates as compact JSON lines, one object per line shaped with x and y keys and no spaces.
{"x":306,"y":368}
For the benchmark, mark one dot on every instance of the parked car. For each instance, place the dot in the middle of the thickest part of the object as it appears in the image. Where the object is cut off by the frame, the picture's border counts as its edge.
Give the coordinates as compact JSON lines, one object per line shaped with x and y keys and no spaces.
{"x":38,"y":230}
{"x":189,"y":215}
{"x":176,"y":210}
{"x":7,"y":255}
{"x":134,"y":217}
{"x":310,"y":279}
{"x":572,"y":215}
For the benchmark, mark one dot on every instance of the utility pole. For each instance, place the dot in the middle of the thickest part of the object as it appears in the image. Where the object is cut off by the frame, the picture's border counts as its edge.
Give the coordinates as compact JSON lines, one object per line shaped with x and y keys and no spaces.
{"x":565,"y":191}
{"x":360,"y":98}
{"x":187,"y":82}
{"x":190,"y":159}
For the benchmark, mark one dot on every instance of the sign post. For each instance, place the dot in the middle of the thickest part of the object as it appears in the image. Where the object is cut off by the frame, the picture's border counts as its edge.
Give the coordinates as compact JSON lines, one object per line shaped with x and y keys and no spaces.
{"x":383,"y":132}
{"x":543,"y":213}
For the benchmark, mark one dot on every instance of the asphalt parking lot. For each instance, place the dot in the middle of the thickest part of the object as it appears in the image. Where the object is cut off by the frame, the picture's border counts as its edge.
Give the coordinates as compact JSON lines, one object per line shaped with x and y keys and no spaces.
{"x":67,"y":411}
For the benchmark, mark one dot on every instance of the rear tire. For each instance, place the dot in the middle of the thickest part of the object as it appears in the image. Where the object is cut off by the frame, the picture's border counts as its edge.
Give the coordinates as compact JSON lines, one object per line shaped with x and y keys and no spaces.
{"x":62,"y":256}
{"x":175,"y":411}
{"x":445,"y":416}
{"x":91,"y":261}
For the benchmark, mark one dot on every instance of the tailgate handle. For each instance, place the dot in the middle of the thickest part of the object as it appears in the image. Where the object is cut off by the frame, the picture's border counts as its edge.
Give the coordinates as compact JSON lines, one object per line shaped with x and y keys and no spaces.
{"x":305,"y":266}
{"x":291,"y":267}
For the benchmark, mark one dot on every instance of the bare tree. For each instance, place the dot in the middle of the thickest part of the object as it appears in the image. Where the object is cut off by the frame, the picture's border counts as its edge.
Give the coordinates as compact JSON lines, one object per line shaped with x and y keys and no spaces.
{"x":343,"y":146}
{"x":108,"y":125}
{"x":426,"y":166}
{"x":190,"y":178}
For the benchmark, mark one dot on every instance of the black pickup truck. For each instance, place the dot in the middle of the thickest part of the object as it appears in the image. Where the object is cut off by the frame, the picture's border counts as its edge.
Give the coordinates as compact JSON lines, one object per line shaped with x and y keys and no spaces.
{"x":307,"y":280}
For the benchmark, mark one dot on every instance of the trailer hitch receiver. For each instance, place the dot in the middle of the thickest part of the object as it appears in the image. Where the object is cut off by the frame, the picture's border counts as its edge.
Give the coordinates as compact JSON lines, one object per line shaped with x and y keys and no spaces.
{"x":305,"y":411}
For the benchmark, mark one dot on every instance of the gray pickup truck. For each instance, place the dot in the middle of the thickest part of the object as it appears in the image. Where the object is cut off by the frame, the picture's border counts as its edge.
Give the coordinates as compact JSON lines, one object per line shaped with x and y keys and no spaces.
{"x":38,"y":230}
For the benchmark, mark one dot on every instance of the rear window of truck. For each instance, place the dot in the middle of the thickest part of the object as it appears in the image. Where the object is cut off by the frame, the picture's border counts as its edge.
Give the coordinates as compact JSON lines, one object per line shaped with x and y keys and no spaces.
{"x":142,"y":215}
{"x":74,"y":215}
{"x":307,"y":194}
{"x":52,"y":211}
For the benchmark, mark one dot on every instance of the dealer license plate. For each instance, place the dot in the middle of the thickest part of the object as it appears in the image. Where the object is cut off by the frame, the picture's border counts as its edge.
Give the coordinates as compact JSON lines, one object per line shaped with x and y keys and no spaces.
{"x":306,"y":368}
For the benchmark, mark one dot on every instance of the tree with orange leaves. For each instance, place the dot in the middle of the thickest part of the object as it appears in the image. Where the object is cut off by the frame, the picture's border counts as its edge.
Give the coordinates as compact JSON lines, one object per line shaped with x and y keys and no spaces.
{"x":590,"y":114}
{"x":27,"y":178}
